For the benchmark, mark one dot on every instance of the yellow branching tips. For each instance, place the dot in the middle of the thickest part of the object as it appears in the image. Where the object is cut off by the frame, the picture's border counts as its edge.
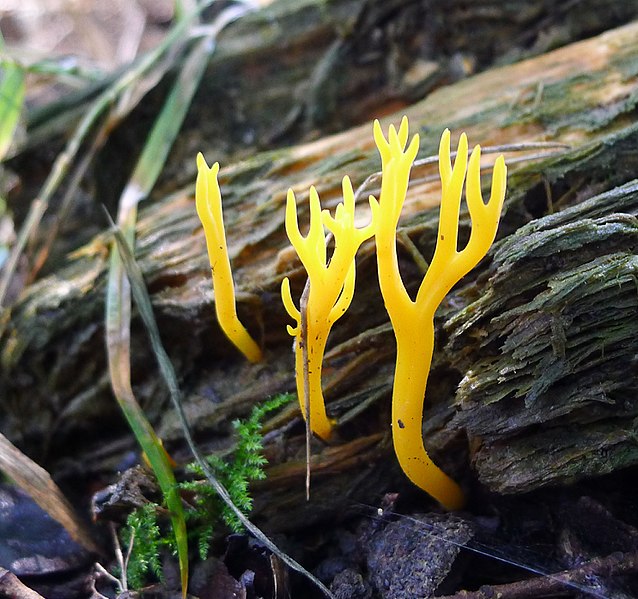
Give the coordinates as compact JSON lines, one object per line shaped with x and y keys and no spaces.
{"x":330,"y":291}
{"x":412,"y":321}
{"x":209,"y":210}
{"x":331,"y":281}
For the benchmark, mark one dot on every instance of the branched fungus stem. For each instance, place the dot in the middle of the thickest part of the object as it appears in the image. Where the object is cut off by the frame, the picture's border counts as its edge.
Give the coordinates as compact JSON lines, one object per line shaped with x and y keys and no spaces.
{"x":413,"y":320}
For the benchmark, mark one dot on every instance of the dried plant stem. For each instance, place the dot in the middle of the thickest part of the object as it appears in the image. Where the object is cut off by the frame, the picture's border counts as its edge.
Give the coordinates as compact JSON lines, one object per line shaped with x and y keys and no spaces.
{"x":544,"y":586}
{"x":109,"y":98}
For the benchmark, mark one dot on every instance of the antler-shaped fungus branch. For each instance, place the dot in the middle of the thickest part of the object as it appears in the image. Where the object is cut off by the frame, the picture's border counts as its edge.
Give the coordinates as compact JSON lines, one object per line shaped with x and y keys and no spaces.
{"x":209,"y":209}
{"x":413,"y":321}
{"x":331,"y":287}
{"x":448,"y":264}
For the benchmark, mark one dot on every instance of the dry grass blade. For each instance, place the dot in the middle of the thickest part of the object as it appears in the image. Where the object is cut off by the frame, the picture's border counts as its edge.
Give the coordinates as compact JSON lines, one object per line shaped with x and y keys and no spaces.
{"x":118,"y":315}
{"x":146,"y":171}
{"x":123,"y":94}
{"x":168,"y":374}
{"x":37,"y":482}
{"x":70,"y":193}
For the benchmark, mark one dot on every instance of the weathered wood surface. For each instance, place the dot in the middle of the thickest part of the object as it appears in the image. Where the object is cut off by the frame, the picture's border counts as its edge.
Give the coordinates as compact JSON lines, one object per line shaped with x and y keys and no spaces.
{"x":534,"y":376}
{"x":301,"y":68}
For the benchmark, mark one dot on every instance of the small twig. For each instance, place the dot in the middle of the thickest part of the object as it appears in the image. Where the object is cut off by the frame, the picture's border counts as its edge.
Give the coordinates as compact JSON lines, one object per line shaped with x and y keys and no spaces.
{"x":129,"y":552}
{"x":10,"y":586}
{"x":119,"y":558}
{"x":522,"y":147}
{"x":102,"y":571}
{"x":615,"y":564}
{"x":303,"y":340}
{"x":510,"y":161}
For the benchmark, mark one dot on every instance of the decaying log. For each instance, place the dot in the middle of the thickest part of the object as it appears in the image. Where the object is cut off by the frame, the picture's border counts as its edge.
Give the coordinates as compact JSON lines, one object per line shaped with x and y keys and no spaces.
{"x":542,"y":333}
{"x":552,"y":392}
{"x":327,"y":68}
{"x":302,"y":68}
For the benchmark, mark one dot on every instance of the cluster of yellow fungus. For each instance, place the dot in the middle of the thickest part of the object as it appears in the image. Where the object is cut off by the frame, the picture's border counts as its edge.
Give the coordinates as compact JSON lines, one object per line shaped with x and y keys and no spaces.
{"x":330,"y":286}
{"x":208,"y":201}
{"x":328,"y":294}
{"x":413,"y":320}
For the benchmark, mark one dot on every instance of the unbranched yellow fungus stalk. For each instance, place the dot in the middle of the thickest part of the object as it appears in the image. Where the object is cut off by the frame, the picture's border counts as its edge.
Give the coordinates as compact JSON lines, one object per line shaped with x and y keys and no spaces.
{"x":413,"y":321}
{"x":328,"y":296}
{"x":209,"y":209}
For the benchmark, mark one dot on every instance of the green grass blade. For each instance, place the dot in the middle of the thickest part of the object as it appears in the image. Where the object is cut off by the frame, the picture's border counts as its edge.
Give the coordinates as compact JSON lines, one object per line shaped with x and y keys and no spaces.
{"x":170,"y":119}
{"x":118,"y":315}
{"x":11,"y":101}
{"x":111,"y":99}
{"x":142,"y":180}
{"x":145,"y":308}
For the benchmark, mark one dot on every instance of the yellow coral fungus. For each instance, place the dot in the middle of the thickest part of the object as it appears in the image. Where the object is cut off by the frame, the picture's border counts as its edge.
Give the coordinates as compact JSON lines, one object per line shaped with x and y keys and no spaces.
{"x":327,"y":296}
{"x":209,"y":209}
{"x":413,"y":321}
